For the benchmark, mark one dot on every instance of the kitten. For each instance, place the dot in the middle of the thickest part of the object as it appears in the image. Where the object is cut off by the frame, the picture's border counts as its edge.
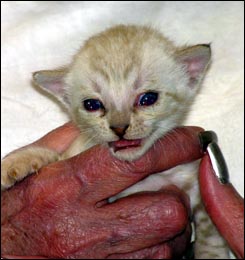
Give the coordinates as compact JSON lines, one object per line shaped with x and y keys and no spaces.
{"x":127,"y":87}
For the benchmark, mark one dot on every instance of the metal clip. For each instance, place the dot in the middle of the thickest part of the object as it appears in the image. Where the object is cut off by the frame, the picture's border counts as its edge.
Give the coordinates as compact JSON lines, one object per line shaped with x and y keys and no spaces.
{"x":209,"y":144}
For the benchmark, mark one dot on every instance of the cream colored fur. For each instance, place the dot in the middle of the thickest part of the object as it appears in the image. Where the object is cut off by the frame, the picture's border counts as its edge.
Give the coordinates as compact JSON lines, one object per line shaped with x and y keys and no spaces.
{"x":37,"y":35}
{"x":117,"y":67}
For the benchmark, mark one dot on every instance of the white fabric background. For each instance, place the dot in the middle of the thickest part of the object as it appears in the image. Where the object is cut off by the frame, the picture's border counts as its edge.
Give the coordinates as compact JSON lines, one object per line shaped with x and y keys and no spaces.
{"x":42,"y":35}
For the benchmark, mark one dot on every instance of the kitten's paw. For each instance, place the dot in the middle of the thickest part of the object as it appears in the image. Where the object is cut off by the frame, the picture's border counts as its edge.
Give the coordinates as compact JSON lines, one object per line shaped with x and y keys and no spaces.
{"x":19,"y":164}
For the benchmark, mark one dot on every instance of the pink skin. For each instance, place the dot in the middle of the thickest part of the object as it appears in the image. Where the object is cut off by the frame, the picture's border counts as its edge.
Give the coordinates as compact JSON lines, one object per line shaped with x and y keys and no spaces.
{"x":225,"y":207}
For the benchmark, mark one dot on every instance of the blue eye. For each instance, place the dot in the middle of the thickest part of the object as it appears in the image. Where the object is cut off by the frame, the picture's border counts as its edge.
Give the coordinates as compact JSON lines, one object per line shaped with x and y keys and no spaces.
{"x":93,"y":105}
{"x":147,"y":99}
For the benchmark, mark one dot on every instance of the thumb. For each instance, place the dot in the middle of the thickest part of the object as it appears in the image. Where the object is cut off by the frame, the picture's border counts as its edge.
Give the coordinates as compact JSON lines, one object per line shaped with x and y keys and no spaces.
{"x":224,"y":205}
{"x":60,"y":138}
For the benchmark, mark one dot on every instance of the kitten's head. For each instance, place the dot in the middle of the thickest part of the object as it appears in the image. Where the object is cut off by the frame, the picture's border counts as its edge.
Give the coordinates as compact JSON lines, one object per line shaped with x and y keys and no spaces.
{"x":128,"y":86}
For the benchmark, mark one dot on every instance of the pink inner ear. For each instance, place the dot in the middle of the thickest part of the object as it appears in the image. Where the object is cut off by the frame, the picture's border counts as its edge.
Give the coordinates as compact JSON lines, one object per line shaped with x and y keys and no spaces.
{"x":195,"y":66}
{"x":55,"y":87}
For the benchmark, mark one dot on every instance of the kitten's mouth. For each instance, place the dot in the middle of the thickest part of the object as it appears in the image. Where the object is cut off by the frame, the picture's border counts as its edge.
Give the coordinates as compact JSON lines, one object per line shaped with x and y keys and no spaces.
{"x":124,"y":144}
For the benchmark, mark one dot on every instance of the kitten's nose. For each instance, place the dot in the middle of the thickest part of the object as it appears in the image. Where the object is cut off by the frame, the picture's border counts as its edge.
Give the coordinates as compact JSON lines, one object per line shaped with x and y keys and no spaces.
{"x":119,"y":130}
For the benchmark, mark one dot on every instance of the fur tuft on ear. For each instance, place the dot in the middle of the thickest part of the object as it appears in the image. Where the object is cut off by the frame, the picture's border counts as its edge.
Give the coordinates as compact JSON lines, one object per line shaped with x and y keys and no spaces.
{"x":52,"y":81}
{"x":195,"y":60}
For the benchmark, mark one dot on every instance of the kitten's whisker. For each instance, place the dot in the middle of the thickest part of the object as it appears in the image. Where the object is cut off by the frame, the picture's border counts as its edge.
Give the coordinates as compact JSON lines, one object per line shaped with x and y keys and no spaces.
{"x":90,"y":140}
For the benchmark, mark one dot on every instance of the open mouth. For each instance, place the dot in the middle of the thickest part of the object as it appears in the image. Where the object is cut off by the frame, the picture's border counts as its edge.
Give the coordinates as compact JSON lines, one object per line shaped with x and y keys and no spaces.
{"x":124,"y":144}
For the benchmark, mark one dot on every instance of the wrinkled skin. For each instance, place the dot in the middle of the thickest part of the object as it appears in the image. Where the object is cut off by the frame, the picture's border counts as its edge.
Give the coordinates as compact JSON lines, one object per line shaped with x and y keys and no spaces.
{"x":62,"y":211}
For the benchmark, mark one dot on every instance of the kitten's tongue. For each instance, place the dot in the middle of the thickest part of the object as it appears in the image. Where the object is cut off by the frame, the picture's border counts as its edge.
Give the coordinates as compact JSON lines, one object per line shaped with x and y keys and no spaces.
{"x":124,"y":144}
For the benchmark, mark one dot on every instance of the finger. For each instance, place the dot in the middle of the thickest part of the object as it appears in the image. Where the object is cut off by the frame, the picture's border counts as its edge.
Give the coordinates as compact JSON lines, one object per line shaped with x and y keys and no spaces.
{"x":140,"y":221}
{"x":147,"y":217}
{"x":224,"y":205}
{"x":102,"y":175}
{"x":60,"y":138}
{"x":173,"y":249}
{"x":161,"y":251}
{"x":180,"y":246}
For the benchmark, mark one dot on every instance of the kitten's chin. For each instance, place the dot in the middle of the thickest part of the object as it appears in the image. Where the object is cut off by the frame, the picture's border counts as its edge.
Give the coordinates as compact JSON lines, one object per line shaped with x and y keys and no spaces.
{"x":130,"y":150}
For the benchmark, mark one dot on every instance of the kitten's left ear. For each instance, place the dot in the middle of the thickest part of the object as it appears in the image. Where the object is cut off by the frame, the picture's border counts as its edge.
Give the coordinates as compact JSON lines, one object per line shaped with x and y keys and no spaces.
{"x":195,"y":60}
{"x":53,"y":82}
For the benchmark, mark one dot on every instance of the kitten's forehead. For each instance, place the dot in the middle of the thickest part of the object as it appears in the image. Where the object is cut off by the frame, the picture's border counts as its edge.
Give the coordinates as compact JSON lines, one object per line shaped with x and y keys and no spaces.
{"x":117,"y":93}
{"x":116,"y":52}
{"x":119,"y":98}
{"x":118,"y":62}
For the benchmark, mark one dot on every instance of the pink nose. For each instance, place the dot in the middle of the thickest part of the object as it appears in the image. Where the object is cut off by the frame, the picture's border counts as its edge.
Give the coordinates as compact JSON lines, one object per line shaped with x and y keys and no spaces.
{"x":119,"y":130}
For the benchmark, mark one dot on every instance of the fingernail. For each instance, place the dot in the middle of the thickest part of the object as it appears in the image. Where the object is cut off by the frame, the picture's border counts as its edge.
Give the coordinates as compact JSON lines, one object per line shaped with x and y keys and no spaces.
{"x":208,"y":141}
{"x":218,"y":163}
{"x":206,"y":138}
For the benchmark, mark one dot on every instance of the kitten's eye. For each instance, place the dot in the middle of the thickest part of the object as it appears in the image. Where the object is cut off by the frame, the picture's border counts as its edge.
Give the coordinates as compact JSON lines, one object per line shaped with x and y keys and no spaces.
{"x":93,"y":105}
{"x":147,"y":99}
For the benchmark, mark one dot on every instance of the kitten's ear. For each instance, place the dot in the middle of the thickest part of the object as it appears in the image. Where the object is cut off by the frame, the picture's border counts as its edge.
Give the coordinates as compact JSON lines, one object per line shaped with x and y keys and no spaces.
{"x":195,"y":60}
{"x":52,"y":81}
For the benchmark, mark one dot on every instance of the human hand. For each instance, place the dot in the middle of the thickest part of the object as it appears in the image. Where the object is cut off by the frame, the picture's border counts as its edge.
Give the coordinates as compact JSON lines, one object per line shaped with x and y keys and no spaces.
{"x":224,"y":205}
{"x":63,"y":212}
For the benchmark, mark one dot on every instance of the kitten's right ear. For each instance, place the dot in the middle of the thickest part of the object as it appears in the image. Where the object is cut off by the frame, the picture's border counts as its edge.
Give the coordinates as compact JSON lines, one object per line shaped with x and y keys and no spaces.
{"x":53,"y":82}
